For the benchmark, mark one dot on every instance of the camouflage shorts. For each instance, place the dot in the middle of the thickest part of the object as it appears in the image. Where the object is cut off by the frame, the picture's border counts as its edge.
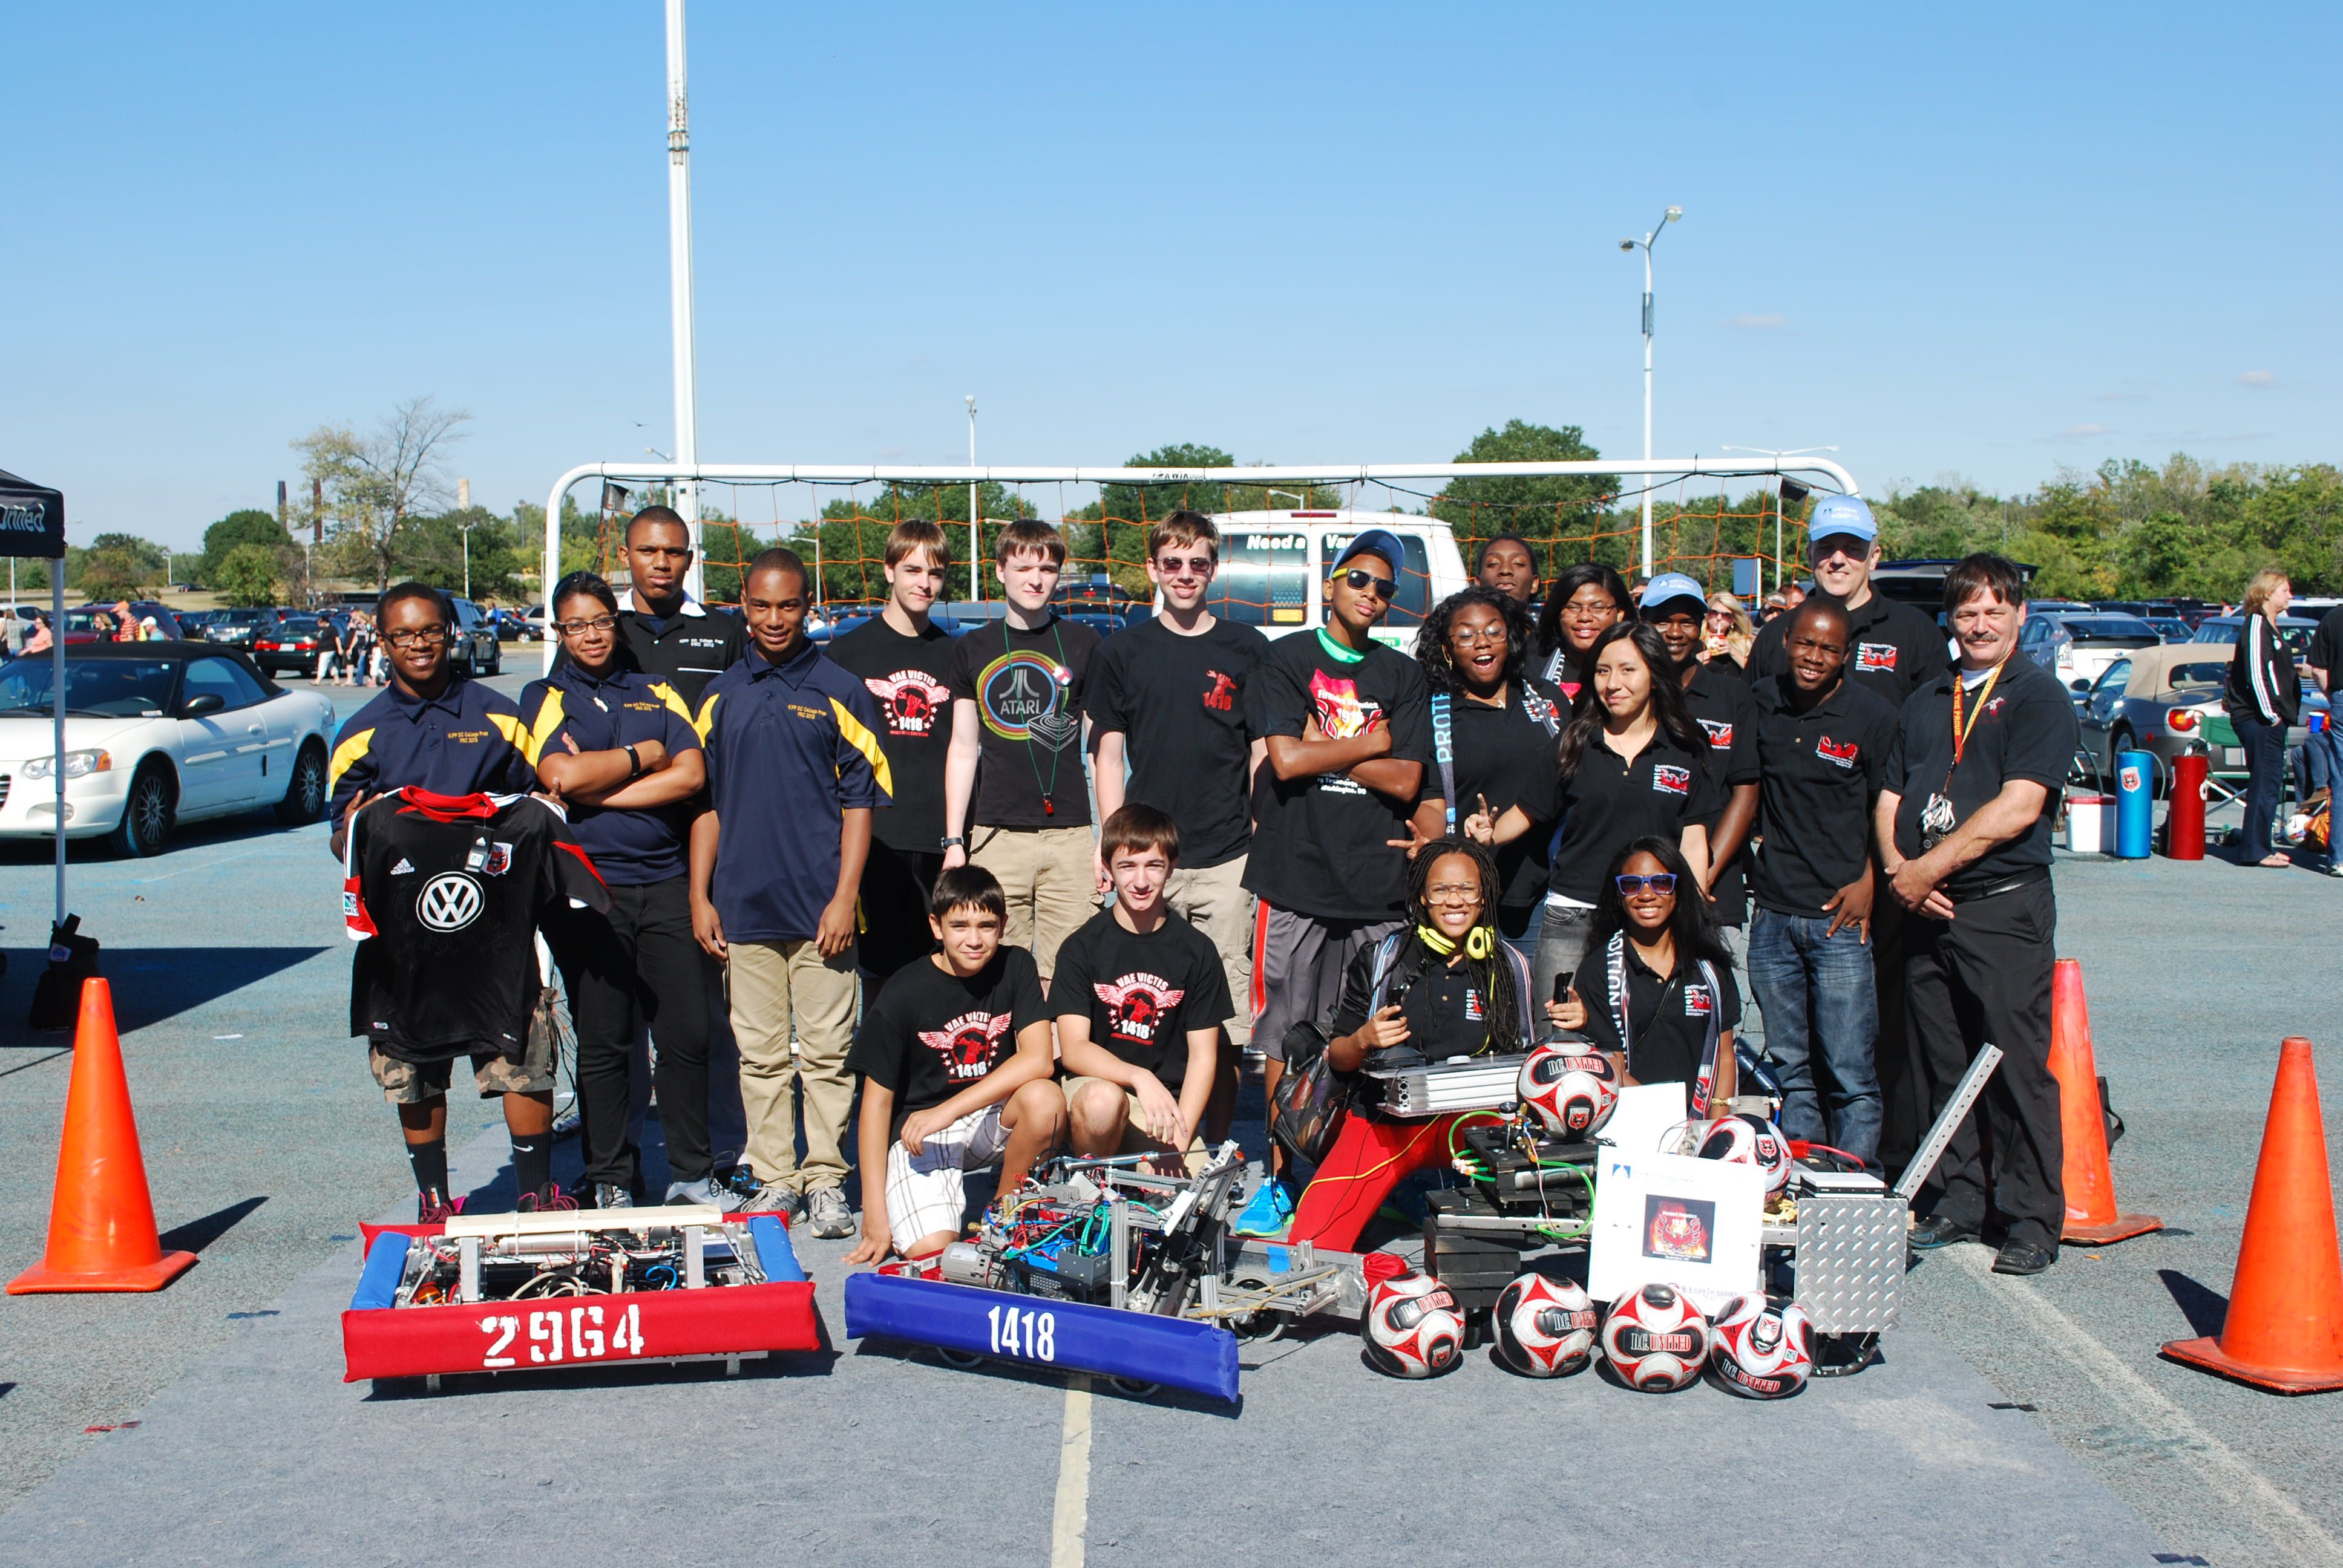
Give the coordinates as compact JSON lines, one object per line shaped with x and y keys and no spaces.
{"x":412,"y":1083}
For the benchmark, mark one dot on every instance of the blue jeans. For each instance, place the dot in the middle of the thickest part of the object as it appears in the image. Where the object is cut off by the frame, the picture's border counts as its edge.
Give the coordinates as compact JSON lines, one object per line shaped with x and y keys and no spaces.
{"x":1819,"y":1000}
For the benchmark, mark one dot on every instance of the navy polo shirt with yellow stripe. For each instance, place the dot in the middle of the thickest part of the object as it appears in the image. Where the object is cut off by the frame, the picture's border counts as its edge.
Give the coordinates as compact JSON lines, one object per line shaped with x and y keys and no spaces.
{"x":468,"y":739}
{"x":632,"y":847}
{"x":791,"y":750}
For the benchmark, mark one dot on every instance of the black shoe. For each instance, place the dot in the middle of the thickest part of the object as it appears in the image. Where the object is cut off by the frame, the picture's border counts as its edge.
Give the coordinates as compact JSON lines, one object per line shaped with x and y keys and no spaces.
{"x":1939,"y":1231}
{"x":739,"y":1181}
{"x":610,"y":1195}
{"x":2023,"y":1258}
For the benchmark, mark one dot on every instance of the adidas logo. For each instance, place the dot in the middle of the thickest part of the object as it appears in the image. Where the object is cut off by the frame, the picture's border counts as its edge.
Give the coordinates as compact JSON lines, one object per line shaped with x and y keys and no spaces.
{"x":404,"y":866}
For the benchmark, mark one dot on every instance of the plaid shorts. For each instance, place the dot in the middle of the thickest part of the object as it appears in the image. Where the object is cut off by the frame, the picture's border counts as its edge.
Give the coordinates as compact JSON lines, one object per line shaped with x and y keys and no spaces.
{"x":925,"y":1193}
{"x":413,"y":1083}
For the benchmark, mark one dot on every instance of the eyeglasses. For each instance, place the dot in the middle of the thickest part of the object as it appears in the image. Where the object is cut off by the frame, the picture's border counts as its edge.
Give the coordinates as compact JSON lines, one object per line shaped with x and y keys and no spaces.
{"x":1454,"y":893}
{"x":1658,"y":882}
{"x":1721,"y":617}
{"x":1578,"y":610}
{"x":1173,"y":567}
{"x":1468,"y":635}
{"x":426,"y":636}
{"x":1361,"y":580}
{"x":579,"y":627}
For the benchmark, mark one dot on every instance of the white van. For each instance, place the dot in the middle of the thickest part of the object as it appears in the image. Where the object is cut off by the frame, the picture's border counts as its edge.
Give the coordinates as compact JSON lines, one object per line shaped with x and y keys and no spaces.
{"x":1274,"y":566}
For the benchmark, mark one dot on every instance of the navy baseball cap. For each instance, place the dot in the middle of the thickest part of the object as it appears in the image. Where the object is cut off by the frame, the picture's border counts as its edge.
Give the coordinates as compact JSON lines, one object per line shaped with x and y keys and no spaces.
{"x":1375,"y":542}
{"x":1842,"y":516}
{"x":1669,"y":587}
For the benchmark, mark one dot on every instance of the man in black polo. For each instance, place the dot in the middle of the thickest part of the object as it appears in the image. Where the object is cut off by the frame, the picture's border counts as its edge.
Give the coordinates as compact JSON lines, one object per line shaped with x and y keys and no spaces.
{"x":1822,"y":749}
{"x":1964,"y":830}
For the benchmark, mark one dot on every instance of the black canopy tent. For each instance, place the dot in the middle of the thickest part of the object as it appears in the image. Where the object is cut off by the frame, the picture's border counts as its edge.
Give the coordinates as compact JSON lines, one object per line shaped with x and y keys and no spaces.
{"x":32,"y":523}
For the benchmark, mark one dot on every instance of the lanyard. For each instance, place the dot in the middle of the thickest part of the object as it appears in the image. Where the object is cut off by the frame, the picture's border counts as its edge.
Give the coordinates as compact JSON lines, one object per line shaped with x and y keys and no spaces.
{"x":1960,"y":731}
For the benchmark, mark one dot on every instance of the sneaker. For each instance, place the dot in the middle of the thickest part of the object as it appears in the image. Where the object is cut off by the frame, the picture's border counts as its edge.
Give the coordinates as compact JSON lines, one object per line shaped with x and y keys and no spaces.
{"x":1269,"y":1213}
{"x":610,"y":1195}
{"x":432,"y":1207}
{"x":705,"y":1190}
{"x":775,"y":1199}
{"x":827,"y":1212}
{"x":737,"y":1180}
{"x":547,"y":1199}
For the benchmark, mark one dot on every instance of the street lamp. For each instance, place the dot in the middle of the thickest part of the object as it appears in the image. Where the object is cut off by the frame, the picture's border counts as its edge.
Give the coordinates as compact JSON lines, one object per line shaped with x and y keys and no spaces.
{"x":975,"y":532}
{"x":1644,"y":244}
{"x":466,"y":530}
{"x":1778,"y":454}
{"x":1299,"y":502}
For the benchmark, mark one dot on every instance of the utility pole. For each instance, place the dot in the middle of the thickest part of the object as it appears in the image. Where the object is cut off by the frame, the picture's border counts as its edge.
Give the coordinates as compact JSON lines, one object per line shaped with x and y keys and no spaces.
{"x":975,"y":525}
{"x":678,"y":250}
{"x":1672,"y":214}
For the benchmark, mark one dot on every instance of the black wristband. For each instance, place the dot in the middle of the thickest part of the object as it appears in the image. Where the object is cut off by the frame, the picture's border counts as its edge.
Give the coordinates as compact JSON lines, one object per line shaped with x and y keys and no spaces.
{"x":634,"y":762}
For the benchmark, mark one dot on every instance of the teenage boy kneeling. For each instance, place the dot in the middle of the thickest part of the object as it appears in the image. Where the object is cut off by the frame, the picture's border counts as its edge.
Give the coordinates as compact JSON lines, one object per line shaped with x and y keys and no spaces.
{"x":954,"y":1056}
{"x":1140,"y":996}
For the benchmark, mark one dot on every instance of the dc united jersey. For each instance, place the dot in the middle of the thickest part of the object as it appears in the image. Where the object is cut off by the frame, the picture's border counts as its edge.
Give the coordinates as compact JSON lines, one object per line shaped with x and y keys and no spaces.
{"x":443,"y":894}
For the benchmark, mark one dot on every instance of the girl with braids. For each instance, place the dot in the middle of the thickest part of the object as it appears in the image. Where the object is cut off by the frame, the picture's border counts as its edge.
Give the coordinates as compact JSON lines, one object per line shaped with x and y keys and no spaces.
{"x":1587,"y":600}
{"x":1656,"y":981}
{"x":1493,"y":732}
{"x":1630,"y":764}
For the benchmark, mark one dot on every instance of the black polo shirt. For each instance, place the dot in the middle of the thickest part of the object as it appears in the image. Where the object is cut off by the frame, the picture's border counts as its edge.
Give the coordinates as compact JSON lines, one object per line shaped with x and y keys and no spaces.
{"x":468,"y":739}
{"x":1897,"y":650}
{"x":686,"y":649}
{"x":1609,"y":802}
{"x":1819,"y":776}
{"x":1667,"y":1017}
{"x":2025,"y":730}
{"x":1506,"y":753}
{"x":1721,"y":705}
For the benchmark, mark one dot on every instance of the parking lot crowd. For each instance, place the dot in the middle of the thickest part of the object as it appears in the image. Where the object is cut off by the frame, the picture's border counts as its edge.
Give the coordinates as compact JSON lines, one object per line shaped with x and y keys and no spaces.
{"x":1608,"y":809}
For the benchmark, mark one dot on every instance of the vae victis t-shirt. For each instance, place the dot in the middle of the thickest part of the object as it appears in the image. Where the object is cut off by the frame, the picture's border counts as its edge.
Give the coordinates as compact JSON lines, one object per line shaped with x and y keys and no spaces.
{"x":443,"y":893}
{"x":1180,"y":703}
{"x":910,"y":679}
{"x":930,"y":1033}
{"x":1321,"y":842}
{"x":1143,"y":994}
{"x":1027,"y":688}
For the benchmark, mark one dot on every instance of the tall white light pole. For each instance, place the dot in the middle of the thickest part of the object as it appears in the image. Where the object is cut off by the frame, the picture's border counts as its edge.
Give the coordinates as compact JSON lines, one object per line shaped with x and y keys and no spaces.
{"x":1645,"y":244}
{"x":975,"y":548}
{"x":679,"y":251}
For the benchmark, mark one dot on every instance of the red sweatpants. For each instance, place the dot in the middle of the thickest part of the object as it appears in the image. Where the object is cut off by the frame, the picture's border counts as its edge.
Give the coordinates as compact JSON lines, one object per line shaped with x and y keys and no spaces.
{"x":1367,"y":1161}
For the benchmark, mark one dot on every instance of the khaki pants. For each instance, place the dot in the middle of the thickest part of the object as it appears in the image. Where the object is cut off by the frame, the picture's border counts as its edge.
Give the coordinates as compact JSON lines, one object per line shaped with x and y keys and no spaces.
{"x":1213,"y":899}
{"x":771,"y":983}
{"x":1046,"y":874}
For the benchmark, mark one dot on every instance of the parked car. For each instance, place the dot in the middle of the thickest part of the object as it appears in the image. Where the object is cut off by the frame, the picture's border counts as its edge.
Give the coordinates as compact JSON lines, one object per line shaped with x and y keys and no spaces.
{"x":2077,"y":647}
{"x":513,"y":626}
{"x":193,"y":621}
{"x":156,"y":733}
{"x":472,"y":644}
{"x":2160,"y":699}
{"x":290,"y":643}
{"x":2293,"y":630}
{"x":81,"y":621}
{"x":2171,"y":629}
{"x":238,"y":628}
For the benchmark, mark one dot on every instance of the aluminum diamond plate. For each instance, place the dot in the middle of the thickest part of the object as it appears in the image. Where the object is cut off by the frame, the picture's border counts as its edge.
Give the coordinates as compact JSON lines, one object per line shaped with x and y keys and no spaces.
{"x":1850,"y":1260}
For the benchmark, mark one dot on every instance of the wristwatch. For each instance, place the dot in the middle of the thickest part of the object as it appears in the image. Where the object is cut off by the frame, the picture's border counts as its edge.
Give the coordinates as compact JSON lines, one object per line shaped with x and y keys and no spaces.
{"x":955,"y":843}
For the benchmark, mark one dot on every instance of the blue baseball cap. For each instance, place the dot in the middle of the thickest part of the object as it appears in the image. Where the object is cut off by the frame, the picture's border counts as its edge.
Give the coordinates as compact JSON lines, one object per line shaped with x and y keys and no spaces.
{"x":1375,"y":542}
{"x":1846,"y":517}
{"x":1669,"y":587}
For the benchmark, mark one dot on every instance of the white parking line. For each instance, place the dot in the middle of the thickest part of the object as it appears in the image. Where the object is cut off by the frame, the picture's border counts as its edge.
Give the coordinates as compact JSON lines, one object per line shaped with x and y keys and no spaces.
{"x":1071,"y":1516}
{"x":2293,"y":1535}
{"x":208,"y":865}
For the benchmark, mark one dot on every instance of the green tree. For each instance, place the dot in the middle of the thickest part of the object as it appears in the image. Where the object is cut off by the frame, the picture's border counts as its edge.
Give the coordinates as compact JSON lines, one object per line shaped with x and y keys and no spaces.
{"x":1112,"y":532}
{"x":375,"y":486}
{"x":246,"y":575}
{"x":116,"y":565}
{"x":1537,"y":509}
{"x":246,"y":526}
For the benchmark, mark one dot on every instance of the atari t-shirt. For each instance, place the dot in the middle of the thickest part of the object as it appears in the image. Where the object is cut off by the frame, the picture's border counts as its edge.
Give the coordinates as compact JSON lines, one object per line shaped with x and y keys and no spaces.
{"x":1028,"y":688}
{"x":1143,"y":994}
{"x":930,"y":1033}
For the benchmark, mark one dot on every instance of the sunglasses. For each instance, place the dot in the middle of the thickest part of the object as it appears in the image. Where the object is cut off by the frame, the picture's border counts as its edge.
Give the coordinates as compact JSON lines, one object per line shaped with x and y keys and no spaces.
{"x":1658,"y":882}
{"x":1173,"y":567}
{"x":1361,"y":580}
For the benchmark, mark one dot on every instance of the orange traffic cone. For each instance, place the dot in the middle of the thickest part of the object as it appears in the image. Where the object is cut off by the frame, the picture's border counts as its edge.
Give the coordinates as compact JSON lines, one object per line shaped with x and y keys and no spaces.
{"x":2090,"y":1182}
{"x":102,"y":1220}
{"x":2285,"y":1328}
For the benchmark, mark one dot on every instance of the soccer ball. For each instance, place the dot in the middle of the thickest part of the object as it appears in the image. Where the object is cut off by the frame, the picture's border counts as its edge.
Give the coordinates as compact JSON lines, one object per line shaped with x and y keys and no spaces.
{"x":1762,"y":1352}
{"x":1655,"y":1339}
{"x":1413,"y":1327}
{"x":1749,"y":1140}
{"x":1545,"y":1328}
{"x":1571,"y":1089}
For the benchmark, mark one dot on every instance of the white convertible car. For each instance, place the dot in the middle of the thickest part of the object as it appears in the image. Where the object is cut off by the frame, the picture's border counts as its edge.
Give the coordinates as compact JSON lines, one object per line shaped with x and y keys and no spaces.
{"x":156,"y":733}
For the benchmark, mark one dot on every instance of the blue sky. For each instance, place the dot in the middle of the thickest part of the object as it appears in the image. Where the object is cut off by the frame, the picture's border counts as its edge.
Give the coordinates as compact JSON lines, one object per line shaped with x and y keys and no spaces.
{"x":1975,"y":241}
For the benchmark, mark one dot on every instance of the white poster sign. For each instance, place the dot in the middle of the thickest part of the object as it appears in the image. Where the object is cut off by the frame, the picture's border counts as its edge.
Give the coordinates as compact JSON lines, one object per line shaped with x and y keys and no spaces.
{"x":1671,"y":1218}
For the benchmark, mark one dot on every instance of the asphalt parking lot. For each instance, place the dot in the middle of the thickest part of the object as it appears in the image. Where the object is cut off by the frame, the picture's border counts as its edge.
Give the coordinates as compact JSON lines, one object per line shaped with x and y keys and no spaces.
{"x":2019,"y":1421}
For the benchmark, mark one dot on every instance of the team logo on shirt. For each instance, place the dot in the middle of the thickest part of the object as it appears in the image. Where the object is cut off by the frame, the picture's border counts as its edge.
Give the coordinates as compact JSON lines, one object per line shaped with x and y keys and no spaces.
{"x":913,"y":700}
{"x":1992,"y":706}
{"x":970,"y":1044}
{"x":1022,"y":697}
{"x":1720,"y":733}
{"x":450,"y":901}
{"x":1697,"y":1002}
{"x":1842,"y":752}
{"x":1879,"y":656}
{"x":1341,"y":711}
{"x":1667,"y":778}
{"x":499,"y":861}
{"x":1223,"y":695}
{"x":1474,"y":1011}
{"x":1136,"y":1005}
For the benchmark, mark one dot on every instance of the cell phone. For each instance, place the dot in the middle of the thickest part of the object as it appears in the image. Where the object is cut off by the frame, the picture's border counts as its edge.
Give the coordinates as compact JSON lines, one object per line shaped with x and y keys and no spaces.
{"x":1561,"y":988}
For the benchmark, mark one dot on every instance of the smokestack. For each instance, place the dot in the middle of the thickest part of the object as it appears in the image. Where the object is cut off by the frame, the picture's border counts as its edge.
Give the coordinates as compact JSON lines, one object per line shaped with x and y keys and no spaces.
{"x":463,"y":494}
{"x":316,"y":511}
{"x":281,"y":503}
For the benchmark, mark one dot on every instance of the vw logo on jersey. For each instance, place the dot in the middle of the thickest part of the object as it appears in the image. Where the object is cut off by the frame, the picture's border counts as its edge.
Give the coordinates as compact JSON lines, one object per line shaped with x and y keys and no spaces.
{"x":448,"y":902}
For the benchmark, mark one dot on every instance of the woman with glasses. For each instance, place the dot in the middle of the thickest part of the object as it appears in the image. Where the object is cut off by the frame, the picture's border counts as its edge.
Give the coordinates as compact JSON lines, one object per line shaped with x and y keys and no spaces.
{"x":1655,"y":989}
{"x":1726,"y":634}
{"x":1587,"y":600}
{"x":1632,"y":765}
{"x":1493,"y":732}
{"x":619,"y":750}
